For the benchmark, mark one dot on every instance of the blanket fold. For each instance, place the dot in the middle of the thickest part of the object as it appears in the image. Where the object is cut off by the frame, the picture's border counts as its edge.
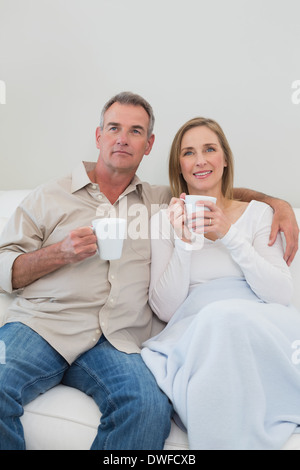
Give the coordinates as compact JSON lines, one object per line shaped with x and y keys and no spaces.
{"x":227,"y":362}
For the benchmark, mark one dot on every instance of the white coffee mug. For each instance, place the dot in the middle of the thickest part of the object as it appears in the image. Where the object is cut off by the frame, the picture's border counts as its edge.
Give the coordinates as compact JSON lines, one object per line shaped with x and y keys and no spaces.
{"x":190,"y":202}
{"x":110,"y":233}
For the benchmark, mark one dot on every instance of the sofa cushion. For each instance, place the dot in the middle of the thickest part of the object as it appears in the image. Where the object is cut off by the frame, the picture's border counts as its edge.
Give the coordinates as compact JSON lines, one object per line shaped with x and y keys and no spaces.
{"x":74,"y":417}
{"x":66,"y":419}
{"x":9,"y":201}
{"x":3,"y":221}
{"x":64,"y":412}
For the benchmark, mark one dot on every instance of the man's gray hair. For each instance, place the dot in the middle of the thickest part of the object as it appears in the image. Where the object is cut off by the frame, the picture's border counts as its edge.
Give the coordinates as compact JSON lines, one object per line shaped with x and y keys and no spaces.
{"x":126,"y":97}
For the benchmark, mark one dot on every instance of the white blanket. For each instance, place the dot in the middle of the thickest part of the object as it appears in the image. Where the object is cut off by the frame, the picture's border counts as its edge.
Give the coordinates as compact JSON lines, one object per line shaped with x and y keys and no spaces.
{"x":230,"y":364}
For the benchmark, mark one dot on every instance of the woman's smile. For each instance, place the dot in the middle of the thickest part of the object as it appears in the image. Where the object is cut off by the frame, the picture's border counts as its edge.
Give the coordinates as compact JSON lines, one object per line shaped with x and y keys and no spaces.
{"x":202,"y":174}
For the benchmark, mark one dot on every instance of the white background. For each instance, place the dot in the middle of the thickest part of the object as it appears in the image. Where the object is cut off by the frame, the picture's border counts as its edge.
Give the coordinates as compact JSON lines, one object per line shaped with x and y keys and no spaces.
{"x":232,"y":60}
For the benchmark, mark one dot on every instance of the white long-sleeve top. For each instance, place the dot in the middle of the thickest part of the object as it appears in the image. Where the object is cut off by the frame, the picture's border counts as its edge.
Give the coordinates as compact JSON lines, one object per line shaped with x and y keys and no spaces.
{"x":177,"y":267}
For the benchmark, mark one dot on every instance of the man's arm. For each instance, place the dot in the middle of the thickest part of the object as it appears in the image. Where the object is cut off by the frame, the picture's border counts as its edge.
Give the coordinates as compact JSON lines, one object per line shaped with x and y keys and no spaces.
{"x":284,"y":219}
{"x":77,"y":246}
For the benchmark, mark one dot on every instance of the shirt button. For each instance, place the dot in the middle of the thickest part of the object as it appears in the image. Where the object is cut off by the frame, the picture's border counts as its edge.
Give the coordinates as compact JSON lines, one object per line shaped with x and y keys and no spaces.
{"x":112,"y":276}
{"x":94,"y":186}
{"x":112,"y":301}
{"x":94,"y":339}
{"x":98,"y":332}
{"x":99,"y":196}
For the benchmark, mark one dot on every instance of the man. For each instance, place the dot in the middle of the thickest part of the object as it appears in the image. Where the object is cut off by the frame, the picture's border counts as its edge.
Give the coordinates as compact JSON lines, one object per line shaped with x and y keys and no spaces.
{"x":79,"y":319}
{"x":75,"y":309}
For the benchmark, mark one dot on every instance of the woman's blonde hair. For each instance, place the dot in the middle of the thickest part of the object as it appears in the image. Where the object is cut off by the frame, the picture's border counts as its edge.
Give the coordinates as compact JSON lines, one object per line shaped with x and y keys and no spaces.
{"x":177,"y":182}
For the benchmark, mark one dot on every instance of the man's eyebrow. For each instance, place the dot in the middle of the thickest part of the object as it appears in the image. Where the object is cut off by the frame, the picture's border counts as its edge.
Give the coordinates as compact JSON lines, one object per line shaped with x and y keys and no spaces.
{"x":114,"y":124}
{"x":138,"y":126}
{"x":117,"y":124}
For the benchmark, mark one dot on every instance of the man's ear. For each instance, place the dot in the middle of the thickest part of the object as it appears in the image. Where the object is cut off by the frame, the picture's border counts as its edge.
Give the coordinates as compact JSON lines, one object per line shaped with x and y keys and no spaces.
{"x":98,"y":136}
{"x":150,"y":144}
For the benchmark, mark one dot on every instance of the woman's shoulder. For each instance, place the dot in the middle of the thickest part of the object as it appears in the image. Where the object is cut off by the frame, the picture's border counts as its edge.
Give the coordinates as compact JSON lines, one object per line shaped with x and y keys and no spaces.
{"x":236,"y":209}
{"x":259,"y":207}
{"x":255,"y":211}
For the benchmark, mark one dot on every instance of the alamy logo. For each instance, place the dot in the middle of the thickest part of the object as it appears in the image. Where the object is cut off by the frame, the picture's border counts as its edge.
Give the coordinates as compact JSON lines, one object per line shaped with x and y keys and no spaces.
{"x":296,"y":355}
{"x":2,"y":353}
{"x":296,"y":93}
{"x":2,"y":92}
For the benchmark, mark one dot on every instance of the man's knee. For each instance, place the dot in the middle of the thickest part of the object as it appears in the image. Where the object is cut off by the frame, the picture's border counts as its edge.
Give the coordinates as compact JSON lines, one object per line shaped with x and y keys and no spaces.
{"x":155,"y":404}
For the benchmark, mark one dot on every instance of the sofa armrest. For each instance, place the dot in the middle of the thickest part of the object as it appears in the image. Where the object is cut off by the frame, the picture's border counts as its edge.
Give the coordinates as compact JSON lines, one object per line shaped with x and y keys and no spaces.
{"x":5,"y":301}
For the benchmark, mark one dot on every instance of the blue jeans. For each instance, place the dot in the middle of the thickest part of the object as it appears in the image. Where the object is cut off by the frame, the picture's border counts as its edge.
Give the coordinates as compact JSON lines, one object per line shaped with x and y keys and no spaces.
{"x":135,"y":412}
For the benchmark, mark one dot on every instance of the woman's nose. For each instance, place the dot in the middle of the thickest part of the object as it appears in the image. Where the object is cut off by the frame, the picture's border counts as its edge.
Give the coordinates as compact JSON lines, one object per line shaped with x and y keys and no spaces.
{"x":200,"y":159}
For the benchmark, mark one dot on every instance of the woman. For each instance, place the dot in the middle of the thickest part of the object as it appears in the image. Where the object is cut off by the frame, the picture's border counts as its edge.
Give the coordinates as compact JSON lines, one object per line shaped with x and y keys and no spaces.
{"x":225,"y":357}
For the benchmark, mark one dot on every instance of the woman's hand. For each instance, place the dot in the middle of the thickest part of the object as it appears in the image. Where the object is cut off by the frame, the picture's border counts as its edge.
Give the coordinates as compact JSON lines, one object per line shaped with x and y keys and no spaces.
{"x":177,"y":217}
{"x":212,"y":221}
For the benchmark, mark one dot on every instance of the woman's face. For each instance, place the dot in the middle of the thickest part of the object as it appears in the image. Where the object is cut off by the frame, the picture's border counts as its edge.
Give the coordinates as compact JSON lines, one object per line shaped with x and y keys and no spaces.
{"x":202,"y":161}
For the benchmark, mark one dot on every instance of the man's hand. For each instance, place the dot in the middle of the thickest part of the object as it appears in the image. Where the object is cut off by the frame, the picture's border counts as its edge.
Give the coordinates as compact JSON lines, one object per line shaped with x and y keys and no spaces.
{"x":77,"y":246}
{"x":284,"y":220}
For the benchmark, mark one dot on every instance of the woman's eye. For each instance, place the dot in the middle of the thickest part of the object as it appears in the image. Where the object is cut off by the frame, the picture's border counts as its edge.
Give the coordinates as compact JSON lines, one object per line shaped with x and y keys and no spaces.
{"x":187,"y":153}
{"x":210,"y":149}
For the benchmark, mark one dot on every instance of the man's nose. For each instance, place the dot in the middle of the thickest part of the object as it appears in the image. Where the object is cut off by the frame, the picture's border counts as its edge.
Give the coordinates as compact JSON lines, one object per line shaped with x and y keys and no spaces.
{"x":122,"y":138}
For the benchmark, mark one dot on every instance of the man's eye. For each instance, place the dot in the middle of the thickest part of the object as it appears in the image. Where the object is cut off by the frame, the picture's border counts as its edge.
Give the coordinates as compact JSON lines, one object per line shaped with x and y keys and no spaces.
{"x":136,"y":131}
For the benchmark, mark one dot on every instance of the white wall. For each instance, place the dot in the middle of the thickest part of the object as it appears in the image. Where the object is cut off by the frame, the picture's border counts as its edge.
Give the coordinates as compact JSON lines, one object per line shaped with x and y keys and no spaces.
{"x":232,"y":60}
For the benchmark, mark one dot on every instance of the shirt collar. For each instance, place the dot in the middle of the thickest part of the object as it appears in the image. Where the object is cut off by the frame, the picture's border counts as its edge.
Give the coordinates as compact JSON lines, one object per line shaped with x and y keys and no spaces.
{"x":135,"y":185}
{"x":80,"y":179}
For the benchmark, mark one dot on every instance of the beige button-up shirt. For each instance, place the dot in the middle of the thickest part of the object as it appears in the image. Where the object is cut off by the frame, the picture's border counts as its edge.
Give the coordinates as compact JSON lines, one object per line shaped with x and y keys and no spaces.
{"x":71,"y":307}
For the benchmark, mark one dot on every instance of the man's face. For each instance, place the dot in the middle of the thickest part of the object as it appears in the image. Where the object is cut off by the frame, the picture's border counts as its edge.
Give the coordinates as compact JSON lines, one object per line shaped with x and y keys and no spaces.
{"x":123,"y":141}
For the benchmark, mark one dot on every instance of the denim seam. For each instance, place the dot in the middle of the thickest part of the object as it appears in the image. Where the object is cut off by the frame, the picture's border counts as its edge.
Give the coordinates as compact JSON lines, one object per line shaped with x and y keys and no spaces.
{"x":110,"y":402}
{"x":40,"y":379}
{"x":43,"y":377}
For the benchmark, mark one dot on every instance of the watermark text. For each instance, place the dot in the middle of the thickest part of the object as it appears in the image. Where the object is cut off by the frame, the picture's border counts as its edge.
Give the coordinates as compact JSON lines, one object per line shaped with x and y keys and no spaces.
{"x":296,"y":93}
{"x":2,"y":353}
{"x":296,"y":353}
{"x":138,"y":223}
{"x":2,"y":92}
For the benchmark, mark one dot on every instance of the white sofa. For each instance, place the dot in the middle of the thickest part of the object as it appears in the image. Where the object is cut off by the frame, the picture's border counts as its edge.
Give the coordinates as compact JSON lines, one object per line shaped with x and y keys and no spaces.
{"x":66,"y":419}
